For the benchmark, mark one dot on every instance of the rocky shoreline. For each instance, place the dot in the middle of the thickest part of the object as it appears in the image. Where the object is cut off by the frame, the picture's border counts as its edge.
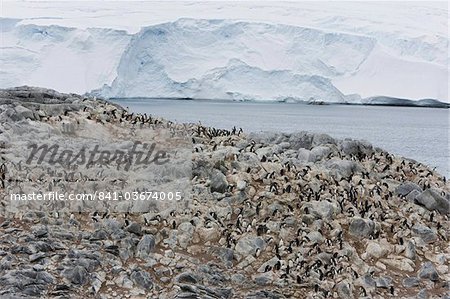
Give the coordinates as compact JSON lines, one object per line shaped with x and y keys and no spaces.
{"x":272,"y":216}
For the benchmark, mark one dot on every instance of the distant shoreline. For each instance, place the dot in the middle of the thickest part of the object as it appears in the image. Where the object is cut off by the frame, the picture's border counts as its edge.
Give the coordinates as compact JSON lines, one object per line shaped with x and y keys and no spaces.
{"x":410,"y":103}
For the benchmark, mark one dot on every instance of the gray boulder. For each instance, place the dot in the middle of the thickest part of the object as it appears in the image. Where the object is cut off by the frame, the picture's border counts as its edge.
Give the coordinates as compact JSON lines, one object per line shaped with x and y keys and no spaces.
{"x":384,"y":282}
{"x":342,"y":168}
{"x":423,"y":294}
{"x":249,"y":245}
{"x":362,"y":228}
{"x":22,"y":112}
{"x":355,"y":147}
{"x":145,"y":246}
{"x":186,"y":277}
{"x":322,"y":139}
{"x":134,"y":228}
{"x":263,"y":279}
{"x":301,"y":140}
{"x":344,"y":290}
{"x":424,"y":232}
{"x":303,"y":155}
{"x":323,"y":209}
{"x":428,"y":271}
{"x":432,"y":200}
{"x":225,"y":255}
{"x":406,"y":187}
{"x":142,"y":279}
{"x":410,"y":250}
{"x":318,"y":153}
{"x":77,"y":275}
{"x":219,"y":181}
{"x":268,"y":137}
{"x":412,"y":195}
{"x":186,"y":230}
{"x":411,"y":282}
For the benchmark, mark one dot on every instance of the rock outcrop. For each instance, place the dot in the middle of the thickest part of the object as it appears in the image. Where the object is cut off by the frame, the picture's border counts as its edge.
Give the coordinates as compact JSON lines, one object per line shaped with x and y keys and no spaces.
{"x":270,"y":216}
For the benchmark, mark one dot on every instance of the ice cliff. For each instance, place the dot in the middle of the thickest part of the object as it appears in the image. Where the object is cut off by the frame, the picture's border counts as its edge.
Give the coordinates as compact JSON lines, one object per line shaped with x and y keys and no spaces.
{"x":225,"y":59}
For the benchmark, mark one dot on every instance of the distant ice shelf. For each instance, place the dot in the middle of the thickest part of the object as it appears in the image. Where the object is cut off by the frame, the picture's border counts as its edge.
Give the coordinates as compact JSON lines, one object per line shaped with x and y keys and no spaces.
{"x":228,"y":60}
{"x":324,"y":61}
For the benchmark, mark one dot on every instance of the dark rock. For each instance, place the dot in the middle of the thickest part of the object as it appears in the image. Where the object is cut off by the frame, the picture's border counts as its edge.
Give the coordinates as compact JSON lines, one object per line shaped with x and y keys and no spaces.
{"x":63,"y":234}
{"x":342,"y":168}
{"x":263,"y":279}
{"x":318,"y":153}
{"x":411,"y":282}
{"x":406,"y":187}
{"x":113,"y":249}
{"x":41,"y":246}
{"x":410,"y":250}
{"x":89,"y":263}
{"x":384,"y":282}
{"x":36,"y":256}
{"x":99,"y":234}
{"x":362,"y":228}
{"x":424,"y":232}
{"x":300,"y":140}
{"x":142,"y":279}
{"x":350,"y":147}
{"x":344,"y":290}
{"x":412,"y":196}
{"x":249,"y":245}
{"x":62,"y":287}
{"x":34,"y":290}
{"x":432,"y":200}
{"x":428,"y":271}
{"x":323,"y":139}
{"x":423,"y":294}
{"x":224,"y":293}
{"x":218,"y":181}
{"x":263,"y":294}
{"x":127,"y":247}
{"x":20,"y":249}
{"x":368,"y":280}
{"x":145,"y":246}
{"x":44,"y":277}
{"x":355,"y":147}
{"x":77,"y":275}
{"x":113,"y":227}
{"x":134,"y":228}
{"x":188,"y":288}
{"x":186,"y":278}
{"x":40,"y":231}
{"x":226,"y":255}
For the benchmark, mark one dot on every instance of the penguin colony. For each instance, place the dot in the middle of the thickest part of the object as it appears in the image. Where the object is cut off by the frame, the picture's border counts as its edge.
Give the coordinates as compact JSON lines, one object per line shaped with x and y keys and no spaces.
{"x":349,"y":221}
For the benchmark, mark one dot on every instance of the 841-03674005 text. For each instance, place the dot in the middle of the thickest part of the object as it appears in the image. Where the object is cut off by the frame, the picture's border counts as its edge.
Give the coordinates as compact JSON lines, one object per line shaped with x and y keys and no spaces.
{"x":99,"y":195}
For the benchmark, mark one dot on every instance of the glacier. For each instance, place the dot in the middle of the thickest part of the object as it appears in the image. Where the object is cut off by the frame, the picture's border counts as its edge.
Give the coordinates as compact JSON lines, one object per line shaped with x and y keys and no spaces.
{"x":293,"y":52}
{"x":220,"y":59}
{"x":62,"y":58}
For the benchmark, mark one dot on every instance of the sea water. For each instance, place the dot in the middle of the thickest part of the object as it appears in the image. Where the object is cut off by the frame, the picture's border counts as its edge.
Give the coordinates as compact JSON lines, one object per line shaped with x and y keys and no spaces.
{"x":421,"y":134}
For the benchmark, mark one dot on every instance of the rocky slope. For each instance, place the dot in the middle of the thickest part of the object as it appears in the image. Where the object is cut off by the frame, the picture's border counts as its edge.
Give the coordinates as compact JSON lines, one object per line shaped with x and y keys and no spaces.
{"x":272,"y":216}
